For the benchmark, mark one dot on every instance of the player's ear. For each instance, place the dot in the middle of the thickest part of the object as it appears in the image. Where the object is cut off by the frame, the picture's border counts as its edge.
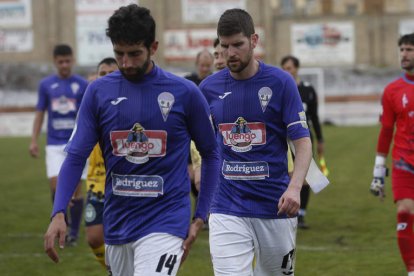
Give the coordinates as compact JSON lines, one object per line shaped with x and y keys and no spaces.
{"x":153,"y":47}
{"x":254,"y":39}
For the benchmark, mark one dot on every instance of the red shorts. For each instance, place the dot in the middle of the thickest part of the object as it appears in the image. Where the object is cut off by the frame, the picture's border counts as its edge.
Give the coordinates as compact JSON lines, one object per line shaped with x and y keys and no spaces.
{"x":402,"y":184}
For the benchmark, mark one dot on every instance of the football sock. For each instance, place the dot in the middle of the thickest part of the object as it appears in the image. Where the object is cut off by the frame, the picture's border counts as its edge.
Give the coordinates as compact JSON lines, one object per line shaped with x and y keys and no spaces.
{"x":304,"y":196}
{"x":76,"y":216}
{"x":405,"y":238}
{"x":100,"y":254}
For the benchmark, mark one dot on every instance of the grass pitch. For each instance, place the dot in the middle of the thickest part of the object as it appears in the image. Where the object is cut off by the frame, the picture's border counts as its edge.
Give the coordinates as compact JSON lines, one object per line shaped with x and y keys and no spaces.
{"x":352,"y":233}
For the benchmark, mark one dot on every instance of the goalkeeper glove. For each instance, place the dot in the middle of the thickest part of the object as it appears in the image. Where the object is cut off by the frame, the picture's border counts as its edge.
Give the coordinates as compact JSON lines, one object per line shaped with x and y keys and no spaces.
{"x":377,"y":184}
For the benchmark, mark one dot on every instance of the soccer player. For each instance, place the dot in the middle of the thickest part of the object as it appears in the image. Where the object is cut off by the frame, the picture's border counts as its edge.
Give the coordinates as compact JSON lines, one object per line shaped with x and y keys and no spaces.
{"x":219,"y":61}
{"x":204,"y":65}
{"x":60,"y":96}
{"x":255,"y":108}
{"x":310,"y":104}
{"x":143,"y":118}
{"x":95,"y":185}
{"x":398,"y":110}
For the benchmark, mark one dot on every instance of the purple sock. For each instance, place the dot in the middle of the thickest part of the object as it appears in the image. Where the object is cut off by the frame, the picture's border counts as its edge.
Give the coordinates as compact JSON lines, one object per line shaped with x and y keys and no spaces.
{"x":76,"y":216}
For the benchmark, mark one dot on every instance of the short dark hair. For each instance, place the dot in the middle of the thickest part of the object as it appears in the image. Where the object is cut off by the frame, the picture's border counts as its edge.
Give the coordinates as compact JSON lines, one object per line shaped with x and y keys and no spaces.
{"x":406,"y":39}
{"x":235,"y":21}
{"x":107,"y":61}
{"x":294,"y":60}
{"x":216,"y":42}
{"x":62,"y":50}
{"x":131,"y":24}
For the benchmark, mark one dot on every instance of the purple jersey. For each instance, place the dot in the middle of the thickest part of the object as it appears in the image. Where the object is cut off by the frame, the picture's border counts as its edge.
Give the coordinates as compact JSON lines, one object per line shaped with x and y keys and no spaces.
{"x":253,"y":118}
{"x":144,"y":130}
{"x":61,"y":98}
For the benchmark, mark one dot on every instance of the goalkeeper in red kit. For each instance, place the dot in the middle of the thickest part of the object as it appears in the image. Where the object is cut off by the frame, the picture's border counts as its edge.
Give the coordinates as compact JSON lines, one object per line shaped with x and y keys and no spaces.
{"x":398,"y":111}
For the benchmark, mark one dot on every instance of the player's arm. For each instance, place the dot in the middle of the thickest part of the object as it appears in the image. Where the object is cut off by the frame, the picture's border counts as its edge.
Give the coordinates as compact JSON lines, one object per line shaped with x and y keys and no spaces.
{"x":37,"y":126}
{"x":83,"y":139}
{"x":202,"y":133}
{"x":68,"y":180}
{"x":297,"y":131}
{"x":384,"y":142}
{"x":289,"y":203}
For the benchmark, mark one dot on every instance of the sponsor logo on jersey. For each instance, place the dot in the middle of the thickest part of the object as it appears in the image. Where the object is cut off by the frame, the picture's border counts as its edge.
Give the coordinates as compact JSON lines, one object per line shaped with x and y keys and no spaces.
{"x":75,"y":87}
{"x":63,"y":105}
{"x":245,"y":170}
{"x":265,"y":94}
{"x":224,"y":95}
{"x":138,"y":144}
{"x":54,"y":85}
{"x":165,"y":102}
{"x":137,"y":185}
{"x":241,"y":135}
{"x":118,"y":100}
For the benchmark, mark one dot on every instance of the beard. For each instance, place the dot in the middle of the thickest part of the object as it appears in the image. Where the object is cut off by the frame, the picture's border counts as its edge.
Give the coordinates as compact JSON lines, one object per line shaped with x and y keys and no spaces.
{"x":408,"y":65}
{"x":135,"y":74}
{"x":237,"y":65}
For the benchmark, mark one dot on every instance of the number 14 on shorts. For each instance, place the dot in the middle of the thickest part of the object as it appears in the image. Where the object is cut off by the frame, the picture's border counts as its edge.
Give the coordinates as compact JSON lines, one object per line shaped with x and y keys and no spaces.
{"x":166,"y":262}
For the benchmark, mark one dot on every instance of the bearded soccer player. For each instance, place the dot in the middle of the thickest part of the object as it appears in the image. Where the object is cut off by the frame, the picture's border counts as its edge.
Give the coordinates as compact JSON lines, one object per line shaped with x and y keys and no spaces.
{"x":60,"y":96}
{"x":255,"y":108}
{"x":398,"y":110}
{"x":143,"y":118}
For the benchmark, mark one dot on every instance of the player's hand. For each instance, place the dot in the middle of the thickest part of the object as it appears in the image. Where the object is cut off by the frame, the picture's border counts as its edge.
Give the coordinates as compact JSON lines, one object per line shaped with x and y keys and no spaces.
{"x":195,"y":227}
{"x":377,"y":184}
{"x":34,"y":150}
{"x":289,"y":202}
{"x":56,"y":230}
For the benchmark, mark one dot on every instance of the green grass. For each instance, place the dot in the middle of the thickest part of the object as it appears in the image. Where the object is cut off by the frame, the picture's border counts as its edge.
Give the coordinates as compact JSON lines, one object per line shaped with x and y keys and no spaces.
{"x":352,"y":233}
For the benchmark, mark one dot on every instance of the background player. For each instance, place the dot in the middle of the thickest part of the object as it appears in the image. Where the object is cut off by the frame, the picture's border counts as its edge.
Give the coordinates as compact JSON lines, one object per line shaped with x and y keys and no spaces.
{"x":147,"y":205}
{"x":59,"y":95}
{"x":398,"y":110}
{"x":95,"y":185}
{"x":310,"y":105}
{"x":204,"y":65}
{"x":219,"y":61}
{"x":255,"y":107}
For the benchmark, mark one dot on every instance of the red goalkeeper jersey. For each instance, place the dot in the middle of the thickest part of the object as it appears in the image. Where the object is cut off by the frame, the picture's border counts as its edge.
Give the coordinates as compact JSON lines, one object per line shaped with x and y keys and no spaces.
{"x":398,"y":109}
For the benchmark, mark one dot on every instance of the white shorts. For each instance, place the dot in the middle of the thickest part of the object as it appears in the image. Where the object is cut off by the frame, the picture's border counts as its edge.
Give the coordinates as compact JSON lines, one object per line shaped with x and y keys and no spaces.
{"x":55,"y":155}
{"x":153,"y":255}
{"x":235,"y":241}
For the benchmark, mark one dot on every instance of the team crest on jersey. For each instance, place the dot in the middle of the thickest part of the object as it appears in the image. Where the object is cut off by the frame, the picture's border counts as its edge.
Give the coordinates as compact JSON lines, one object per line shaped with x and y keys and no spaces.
{"x":404,"y":100}
{"x":75,"y":87}
{"x":165,"y":102}
{"x":138,"y":144}
{"x":241,"y":135}
{"x":63,"y":105}
{"x":265,"y":94}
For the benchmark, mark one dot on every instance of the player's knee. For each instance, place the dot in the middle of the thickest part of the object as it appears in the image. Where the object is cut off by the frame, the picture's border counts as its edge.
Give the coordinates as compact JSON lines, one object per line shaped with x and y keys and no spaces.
{"x":94,"y":241}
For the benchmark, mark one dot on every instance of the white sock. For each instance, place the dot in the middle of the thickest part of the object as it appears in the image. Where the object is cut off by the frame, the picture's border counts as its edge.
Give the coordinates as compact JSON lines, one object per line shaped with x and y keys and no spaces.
{"x":411,"y":273}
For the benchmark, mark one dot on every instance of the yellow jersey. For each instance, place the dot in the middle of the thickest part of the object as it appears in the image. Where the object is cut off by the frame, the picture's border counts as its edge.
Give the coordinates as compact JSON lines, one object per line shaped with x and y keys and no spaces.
{"x":95,"y":181}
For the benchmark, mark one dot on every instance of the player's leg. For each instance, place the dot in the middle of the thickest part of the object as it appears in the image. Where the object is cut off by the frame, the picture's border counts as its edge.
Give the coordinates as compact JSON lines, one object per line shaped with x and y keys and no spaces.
{"x":54,"y":160}
{"x":304,"y":199}
{"x":120,"y":258}
{"x":274,"y":243}
{"x":94,"y":227}
{"x":403,"y":190}
{"x":231,"y":245}
{"x":157,"y":254}
{"x":76,"y":210}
